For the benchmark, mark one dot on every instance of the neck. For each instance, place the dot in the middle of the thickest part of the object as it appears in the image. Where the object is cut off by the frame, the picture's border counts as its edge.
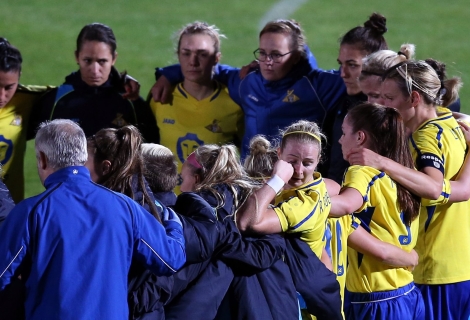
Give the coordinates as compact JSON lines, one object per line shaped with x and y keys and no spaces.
{"x":197,"y":90}
{"x":423,"y":113}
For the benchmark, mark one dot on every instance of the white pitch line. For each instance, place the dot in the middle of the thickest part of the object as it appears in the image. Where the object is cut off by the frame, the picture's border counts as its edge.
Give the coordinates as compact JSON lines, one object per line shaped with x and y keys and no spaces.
{"x":283,"y":9}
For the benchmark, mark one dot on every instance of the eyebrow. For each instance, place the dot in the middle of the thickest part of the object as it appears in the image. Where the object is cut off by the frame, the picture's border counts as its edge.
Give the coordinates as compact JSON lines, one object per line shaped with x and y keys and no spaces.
{"x":293,"y":155}
{"x":199,"y":50}
{"x":347,"y":61}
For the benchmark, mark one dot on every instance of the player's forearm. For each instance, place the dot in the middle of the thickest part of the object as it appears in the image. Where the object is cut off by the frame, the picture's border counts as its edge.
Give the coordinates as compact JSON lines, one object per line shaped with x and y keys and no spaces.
{"x":250,"y":214}
{"x":460,"y":188}
{"x":415,"y":181}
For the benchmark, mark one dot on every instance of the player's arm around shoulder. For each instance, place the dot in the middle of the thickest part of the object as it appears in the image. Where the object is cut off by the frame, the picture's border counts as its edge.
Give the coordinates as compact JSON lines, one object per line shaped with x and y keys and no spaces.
{"x":160,"y":246}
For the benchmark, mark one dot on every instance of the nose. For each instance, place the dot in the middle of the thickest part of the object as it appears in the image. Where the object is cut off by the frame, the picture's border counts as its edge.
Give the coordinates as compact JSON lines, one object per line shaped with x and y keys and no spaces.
{"x":269,"y":59}
{"x":297,"y":168}
{"x":95,"y":68}
{"x":3,"y":94}
{"x":378,"y":100}
{"x":343,"y":72}
{"x":193,"y":59}
{"x":340,"y":139}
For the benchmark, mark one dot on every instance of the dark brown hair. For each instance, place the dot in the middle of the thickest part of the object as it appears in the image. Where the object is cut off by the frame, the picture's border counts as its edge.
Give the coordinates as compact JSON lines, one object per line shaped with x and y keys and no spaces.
{"x":387,"y":136}
{"x":97,"y":32}
{"x":291,"y":28}
{"x":10,"y":57}
{"x":368,"y":38}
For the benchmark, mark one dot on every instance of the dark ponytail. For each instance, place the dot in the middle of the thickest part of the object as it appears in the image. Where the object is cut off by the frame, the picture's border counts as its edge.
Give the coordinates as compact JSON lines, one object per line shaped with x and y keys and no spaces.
{"x":387,"y":136}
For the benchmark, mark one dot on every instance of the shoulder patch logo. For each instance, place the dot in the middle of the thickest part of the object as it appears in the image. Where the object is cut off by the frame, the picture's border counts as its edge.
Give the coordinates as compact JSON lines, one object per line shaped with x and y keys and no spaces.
{"x":214,"y":126}
{"x":119,"y":121}
{"x":290,"y":97}
{"x":17,"y":120}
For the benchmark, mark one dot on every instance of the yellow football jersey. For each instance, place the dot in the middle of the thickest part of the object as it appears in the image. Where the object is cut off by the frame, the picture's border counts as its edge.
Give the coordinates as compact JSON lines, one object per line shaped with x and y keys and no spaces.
{"x":381,"y":217}
{"x":341,"y":228}
{"x":305,"y":210}
{"x":444,"y":228}
{"x":14,"y":118}
{"x":186,"y":123}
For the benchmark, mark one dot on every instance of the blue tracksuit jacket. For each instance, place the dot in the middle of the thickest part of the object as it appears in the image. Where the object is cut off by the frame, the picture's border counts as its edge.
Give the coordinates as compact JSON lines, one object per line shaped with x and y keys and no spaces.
{"x":272,"y":105}
{"x":75,"y":243}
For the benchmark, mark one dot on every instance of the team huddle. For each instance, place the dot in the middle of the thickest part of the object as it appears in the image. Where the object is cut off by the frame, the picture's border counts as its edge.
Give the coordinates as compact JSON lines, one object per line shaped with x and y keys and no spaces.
{"x":274,"y":191}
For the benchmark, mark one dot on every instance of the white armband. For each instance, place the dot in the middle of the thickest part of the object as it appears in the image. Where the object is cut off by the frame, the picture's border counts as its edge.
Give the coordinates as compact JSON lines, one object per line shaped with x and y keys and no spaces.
{"x":276,"y":183}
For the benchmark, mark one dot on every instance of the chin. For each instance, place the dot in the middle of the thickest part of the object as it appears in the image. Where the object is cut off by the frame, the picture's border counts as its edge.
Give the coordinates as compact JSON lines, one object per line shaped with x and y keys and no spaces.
{"x":353,"y":91}
{"x":270,"y":76}
{"x":295,"y":183}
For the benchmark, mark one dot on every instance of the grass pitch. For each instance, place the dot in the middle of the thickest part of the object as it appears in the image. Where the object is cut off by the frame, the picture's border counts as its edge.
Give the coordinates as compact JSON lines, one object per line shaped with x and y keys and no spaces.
{"x":45,"y":32}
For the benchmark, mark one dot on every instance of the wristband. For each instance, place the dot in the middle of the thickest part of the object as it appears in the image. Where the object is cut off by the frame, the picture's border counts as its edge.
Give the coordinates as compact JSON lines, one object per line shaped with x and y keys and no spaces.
{"x":276,"y":183}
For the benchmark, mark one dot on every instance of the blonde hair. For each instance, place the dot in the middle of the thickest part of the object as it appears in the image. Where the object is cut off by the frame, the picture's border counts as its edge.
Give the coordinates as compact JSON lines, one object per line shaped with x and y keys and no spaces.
{"x":303,"y":131}
{"x":160,"y":167}
{"x":221,"y":165}
{"x":379,"y":62}
{"x":260,"y":162}
{"x":199,"y":27}
{"x":428,"y":78}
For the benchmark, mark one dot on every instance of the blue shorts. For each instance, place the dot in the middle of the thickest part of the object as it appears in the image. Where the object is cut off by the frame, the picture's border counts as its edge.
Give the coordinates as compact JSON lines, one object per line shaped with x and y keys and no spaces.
{"x":403,"y":303}
{"x":446,"y":301}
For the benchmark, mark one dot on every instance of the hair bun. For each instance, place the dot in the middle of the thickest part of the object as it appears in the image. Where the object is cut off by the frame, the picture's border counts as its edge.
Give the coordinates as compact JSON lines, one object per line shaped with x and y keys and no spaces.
{"x":259,"y":145}
{"x":4,"y":41}
{"x":377,"y":22}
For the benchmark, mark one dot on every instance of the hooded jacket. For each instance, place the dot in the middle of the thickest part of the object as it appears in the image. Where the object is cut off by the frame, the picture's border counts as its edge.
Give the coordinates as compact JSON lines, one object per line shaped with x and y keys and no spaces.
{"x":94,"y":108}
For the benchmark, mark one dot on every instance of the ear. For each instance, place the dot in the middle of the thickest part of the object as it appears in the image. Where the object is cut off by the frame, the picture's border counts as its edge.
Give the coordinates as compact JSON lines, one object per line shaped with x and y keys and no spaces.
{"x":361,"y":137}
{"x":279,"y":153}
{"x":415,"y":98}
{"x":218,"y":55}
{"x":197,"y":178}
{"x":105,"y":167}
{"x":42,"y":161}
{"x":76,"y":56}
{"x":115,"y":57}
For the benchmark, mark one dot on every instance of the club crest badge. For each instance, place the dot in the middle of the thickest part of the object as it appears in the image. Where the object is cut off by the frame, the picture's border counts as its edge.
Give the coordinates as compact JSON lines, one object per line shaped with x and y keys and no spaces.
{"x":214,"y":127}
{"x":119,"y":121}
{"x":291,"y":97}
{"x":17,"y":120}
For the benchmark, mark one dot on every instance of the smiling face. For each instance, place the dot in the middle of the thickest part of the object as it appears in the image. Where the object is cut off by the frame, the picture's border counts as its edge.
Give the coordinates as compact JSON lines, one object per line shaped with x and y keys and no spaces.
{"x":95,"y":60}
{"x":370,"y":86}
{"x":350,"y":60}
{"x":8,"y":84}
{"x":277,"y":43}
{"x":304,"y":158}
{"x":197,"y":57}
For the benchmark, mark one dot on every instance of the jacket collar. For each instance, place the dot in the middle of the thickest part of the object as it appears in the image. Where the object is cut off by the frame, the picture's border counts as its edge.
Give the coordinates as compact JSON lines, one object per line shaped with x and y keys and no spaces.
{"x":69,"y":173}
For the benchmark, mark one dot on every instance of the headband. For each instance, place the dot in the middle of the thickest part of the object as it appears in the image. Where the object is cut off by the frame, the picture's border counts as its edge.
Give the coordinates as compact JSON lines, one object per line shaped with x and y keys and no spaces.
{"x":309,"y":133}
{"x":193,"y":161}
